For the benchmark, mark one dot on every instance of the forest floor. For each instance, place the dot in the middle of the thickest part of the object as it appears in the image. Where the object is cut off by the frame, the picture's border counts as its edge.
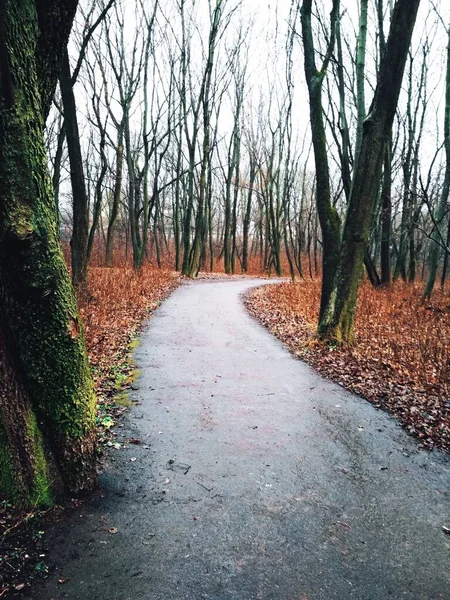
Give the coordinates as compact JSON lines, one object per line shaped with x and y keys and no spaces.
{"x":393,"y":368}
{"x":400,"y":360}
{"x":241,"y":474}
{"x":119,"y":302}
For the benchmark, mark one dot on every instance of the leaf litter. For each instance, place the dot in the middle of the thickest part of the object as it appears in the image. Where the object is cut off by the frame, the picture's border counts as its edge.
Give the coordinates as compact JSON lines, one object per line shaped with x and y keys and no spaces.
{"x":400,"y":360}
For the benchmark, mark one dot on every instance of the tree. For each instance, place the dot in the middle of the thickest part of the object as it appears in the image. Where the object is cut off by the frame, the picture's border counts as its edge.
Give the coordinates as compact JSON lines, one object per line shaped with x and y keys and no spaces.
{"x":386,"y":188}
{"x":191,"y":263}
{"x":337,"y":323}
{"x":80,"y":245}
{"x":47,"y":400}
{"x":80,"y":228}
{"x":328,"y":215}
{"x":344,"y":146}
{"x":442,"y":207}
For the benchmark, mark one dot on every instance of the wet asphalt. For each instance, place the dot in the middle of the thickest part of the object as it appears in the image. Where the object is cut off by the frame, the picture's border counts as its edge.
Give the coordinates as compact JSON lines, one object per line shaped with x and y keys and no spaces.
{"x":255,"y":478}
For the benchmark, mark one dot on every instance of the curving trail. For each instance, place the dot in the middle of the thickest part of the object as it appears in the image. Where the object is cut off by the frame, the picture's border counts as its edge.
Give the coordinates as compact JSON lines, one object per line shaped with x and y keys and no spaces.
{"x":255,"y":479}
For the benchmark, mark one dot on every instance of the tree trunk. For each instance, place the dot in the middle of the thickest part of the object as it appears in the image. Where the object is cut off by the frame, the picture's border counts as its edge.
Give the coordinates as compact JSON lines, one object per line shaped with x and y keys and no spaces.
{"x":227,"y":226}
{"x":116,"y":199}
{"x":177,"y":207}
{"x":237,"y":176}
{"x":80,"y":231}
{"x":372,"y":273}
{"x":338,"y":322}
{"x":56,"y":179}
{"x":445,"y":265}
{"x":328,"y":216}
{"x":26,"y":467}
{"x":248,"y":210}
{"x":47,"y":401}
{"x":361,"y":110}
{"x":386,"y":211}
{"x":440,"y":213}
{"x":98,"y":200}
{"x":360,"y":75}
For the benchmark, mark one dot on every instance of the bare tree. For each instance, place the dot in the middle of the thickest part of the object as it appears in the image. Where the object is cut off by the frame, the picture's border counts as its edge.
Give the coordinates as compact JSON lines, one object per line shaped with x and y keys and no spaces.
{"x":328,"y":215}
{"x":338,"y":321}
{"x":442,"y":207}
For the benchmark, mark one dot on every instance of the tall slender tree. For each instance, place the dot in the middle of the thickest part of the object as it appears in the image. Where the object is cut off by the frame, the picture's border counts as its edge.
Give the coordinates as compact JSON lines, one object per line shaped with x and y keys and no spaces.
{"x":328,"y":215}
{"x":438,"y":236}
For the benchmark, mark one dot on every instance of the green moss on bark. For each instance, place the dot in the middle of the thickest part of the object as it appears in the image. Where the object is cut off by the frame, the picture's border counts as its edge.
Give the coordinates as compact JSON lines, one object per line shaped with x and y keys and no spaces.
{"x":8,"y":483}
{"x":37,"y":303}
{"x":25,"y":483}
{"x":41,"y":494}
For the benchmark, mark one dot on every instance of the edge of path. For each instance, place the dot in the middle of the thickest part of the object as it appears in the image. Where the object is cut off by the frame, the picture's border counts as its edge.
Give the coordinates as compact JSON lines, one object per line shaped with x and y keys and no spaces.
{"x":311,"y":354}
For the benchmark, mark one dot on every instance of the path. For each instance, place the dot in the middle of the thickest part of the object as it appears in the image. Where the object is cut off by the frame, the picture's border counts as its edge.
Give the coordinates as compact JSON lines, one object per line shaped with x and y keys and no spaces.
{"x":255,"y":479}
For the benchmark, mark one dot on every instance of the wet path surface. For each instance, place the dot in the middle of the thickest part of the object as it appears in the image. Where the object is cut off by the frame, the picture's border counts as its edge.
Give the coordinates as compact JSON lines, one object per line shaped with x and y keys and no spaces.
{"x":255,"y":479}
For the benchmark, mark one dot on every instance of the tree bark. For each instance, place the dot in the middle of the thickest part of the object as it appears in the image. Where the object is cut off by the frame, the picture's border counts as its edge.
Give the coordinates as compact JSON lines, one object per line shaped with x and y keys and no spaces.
{"x":47,"y":400}
{"x":442,"y":207}
{"x":328,"y":216}
{"x":80,"y":226}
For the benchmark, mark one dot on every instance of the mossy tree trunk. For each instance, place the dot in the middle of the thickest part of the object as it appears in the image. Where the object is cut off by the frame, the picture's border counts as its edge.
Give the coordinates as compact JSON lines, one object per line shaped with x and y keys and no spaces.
{"x":337,"y":323}
{"x":47,"y":401}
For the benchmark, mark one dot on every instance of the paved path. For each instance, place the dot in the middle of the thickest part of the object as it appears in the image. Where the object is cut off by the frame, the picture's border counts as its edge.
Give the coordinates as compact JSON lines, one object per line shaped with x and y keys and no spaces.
{"x":255,"y":479}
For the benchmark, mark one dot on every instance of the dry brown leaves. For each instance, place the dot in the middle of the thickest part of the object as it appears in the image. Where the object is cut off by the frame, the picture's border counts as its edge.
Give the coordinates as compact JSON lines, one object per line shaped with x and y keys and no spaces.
{"x":120,"y":299}
{"x":400,"y":360}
